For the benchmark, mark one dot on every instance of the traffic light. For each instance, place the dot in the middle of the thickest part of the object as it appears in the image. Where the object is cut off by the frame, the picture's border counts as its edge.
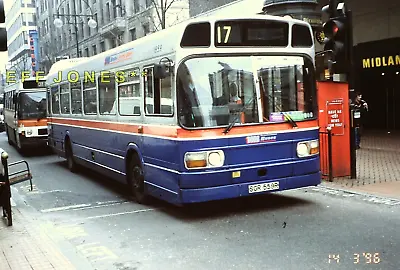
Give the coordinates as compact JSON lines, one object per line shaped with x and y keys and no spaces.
{"x":336,"y":32}
{"x":3,"y":31}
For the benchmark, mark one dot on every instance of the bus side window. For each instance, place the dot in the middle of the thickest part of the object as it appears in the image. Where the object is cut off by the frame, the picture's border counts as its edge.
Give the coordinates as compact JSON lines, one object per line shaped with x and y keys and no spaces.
{"x":64,"y":98}
{"x":107,"y":94}
{"x":76,"y":98}
{"x":55,"y":99}
{"x":90,"y":97}
{"x":158,"y":94}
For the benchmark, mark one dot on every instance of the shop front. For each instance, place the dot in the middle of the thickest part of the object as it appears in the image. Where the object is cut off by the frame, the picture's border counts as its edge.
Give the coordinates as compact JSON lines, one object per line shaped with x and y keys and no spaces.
{"x":377,"y":70}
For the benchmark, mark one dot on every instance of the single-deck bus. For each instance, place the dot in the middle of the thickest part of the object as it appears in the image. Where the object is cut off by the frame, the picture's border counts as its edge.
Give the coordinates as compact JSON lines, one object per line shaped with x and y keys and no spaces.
{"x":210,"y":109}
{"x":25,"y":113}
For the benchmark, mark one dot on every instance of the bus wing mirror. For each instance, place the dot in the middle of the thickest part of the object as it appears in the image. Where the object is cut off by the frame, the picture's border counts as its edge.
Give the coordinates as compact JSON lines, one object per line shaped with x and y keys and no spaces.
{"x":161,"y":71}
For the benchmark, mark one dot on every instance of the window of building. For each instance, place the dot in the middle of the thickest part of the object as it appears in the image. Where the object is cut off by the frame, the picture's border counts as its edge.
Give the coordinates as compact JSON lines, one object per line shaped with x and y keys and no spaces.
{"x":76,"y":98}
{"x":87,"y":52}
{"x":94,"y":49}
{"x":132,"y":33}
{"x":107,"y":15}
{"x":129,"y":93}
{"x":90,"y":95}
{"x":146,"y":28}
{"x":148,"y":3}
{"x":158,"y":94}
{"x":107,"y":101}
{"x":102,"y":46}
{"x":64,"y":98}
{"x":114,"y":9}
{"x":136,"y":6}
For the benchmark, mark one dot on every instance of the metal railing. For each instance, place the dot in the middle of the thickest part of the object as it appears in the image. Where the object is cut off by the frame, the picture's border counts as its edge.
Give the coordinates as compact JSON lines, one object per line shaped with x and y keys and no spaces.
{"x":325,"y":139}
{"x":7,"y":179}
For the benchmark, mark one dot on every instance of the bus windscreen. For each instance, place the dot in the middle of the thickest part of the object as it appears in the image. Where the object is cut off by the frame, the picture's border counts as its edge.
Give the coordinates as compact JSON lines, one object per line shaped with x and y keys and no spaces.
{"x":244,"y":33}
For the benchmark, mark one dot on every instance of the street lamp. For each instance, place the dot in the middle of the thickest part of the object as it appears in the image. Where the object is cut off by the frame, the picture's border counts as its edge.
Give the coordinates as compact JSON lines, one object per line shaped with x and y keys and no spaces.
{"x":58,"y":23}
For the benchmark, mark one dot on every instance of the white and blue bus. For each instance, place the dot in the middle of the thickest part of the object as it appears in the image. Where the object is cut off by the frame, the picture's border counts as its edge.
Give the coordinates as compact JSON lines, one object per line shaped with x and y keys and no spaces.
{"x":209,"y":109}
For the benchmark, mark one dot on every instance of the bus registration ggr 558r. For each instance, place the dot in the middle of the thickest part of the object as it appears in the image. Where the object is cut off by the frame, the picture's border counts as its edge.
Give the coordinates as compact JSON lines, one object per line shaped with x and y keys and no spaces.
{"x":263,"y":187}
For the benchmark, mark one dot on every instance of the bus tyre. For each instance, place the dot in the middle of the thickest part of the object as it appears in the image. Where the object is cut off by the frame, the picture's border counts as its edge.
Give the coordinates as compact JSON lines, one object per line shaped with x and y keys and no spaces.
{"x":70,"y":157}
{"x":136,"y":182}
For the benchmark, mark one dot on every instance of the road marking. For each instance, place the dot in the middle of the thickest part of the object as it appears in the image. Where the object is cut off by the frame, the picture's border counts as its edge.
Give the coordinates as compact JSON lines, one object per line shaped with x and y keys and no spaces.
{"x":49,"y":191}
{"x":71,"y":231}
{"x":98,"y":206}
{"x":122,"y":213}
{"x":63,"y":208}
{"x":83,"y":206}
{"x":99,"y":253}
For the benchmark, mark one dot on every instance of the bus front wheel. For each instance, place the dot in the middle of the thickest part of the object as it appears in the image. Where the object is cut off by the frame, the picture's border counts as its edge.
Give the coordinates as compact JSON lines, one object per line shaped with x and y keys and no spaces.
{"x":136,"y":181}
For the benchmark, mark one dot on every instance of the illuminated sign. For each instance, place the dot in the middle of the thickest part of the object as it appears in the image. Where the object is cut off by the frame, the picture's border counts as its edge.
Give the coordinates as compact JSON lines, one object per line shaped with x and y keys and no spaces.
{"x":381,"y":61}
{"x":251,"y":33}
{"x":119,"y":57}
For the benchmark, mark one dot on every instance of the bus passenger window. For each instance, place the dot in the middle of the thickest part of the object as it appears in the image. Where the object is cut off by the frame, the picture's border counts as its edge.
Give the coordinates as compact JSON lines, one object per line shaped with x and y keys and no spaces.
{"x":55,"y":102}
{"x":76,"y":98}
{"x":129,"y":93}
{"x":158,"y":94}
{"x":89,"y":97}
{"x":64,"y":98}
{"x":107,"y":94}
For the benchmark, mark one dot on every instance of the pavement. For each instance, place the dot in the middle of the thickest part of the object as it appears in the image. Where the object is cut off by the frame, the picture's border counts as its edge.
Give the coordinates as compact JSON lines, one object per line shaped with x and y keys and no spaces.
{"x":28,"y":245}
{"x":25,"y":245}
{"x":378,"y":166}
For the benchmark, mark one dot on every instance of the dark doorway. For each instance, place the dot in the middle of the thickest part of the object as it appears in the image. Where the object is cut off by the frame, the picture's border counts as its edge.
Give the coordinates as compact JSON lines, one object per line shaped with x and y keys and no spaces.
{"x":379,"y":83}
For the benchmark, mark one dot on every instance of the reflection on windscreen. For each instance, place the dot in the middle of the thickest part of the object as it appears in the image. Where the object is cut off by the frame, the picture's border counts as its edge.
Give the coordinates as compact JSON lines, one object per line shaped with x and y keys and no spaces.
{"x":215,"y":91}
{"x":33,"y":105}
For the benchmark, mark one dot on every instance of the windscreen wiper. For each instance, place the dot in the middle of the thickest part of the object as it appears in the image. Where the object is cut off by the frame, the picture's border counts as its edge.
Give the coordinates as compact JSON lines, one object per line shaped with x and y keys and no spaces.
{"x":294,"y":124}
{"x":231,"y":124}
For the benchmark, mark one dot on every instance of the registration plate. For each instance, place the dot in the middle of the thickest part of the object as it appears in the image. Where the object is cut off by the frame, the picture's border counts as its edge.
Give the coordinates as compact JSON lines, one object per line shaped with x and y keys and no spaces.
{"x":263,"y":187}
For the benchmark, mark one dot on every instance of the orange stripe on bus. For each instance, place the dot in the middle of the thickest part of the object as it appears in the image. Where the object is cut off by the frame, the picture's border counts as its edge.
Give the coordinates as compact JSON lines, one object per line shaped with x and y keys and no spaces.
{"x":178,"y":132}
{"x":33,"y":122}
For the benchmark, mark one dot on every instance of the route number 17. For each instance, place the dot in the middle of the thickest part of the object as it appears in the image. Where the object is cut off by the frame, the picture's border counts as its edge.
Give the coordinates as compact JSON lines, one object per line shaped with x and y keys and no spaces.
{"x":227,"y":33}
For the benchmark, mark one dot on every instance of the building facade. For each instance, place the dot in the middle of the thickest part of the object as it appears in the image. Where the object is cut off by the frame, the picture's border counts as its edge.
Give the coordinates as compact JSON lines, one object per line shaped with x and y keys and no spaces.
{"x":20,"y":20}
{"x":118,"y":22}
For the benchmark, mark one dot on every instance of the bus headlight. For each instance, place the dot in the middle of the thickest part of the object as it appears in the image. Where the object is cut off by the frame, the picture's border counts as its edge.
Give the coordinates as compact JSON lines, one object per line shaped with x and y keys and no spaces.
{"x":205,"y":159}
{"x":307,"y":148}
{"x":216,"y":158}
{"x":29,"y":132}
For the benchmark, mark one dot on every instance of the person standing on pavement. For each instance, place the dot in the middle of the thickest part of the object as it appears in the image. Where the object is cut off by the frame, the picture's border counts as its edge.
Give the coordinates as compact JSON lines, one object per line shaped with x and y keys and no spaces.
{"x":359,"y":106}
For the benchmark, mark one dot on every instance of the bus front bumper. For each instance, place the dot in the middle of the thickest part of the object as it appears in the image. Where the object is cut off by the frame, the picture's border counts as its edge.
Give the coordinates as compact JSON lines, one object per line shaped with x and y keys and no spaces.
{"x":249,"y":188}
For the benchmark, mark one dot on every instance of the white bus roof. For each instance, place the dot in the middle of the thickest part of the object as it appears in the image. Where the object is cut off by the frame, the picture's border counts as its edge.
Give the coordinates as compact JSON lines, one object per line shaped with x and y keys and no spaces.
{"x":144,"y":48}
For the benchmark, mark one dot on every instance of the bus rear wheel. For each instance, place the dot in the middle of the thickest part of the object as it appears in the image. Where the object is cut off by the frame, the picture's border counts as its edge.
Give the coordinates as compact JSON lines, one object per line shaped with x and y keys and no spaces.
{"x":136,"y":182}
{"x":70,"y":157}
